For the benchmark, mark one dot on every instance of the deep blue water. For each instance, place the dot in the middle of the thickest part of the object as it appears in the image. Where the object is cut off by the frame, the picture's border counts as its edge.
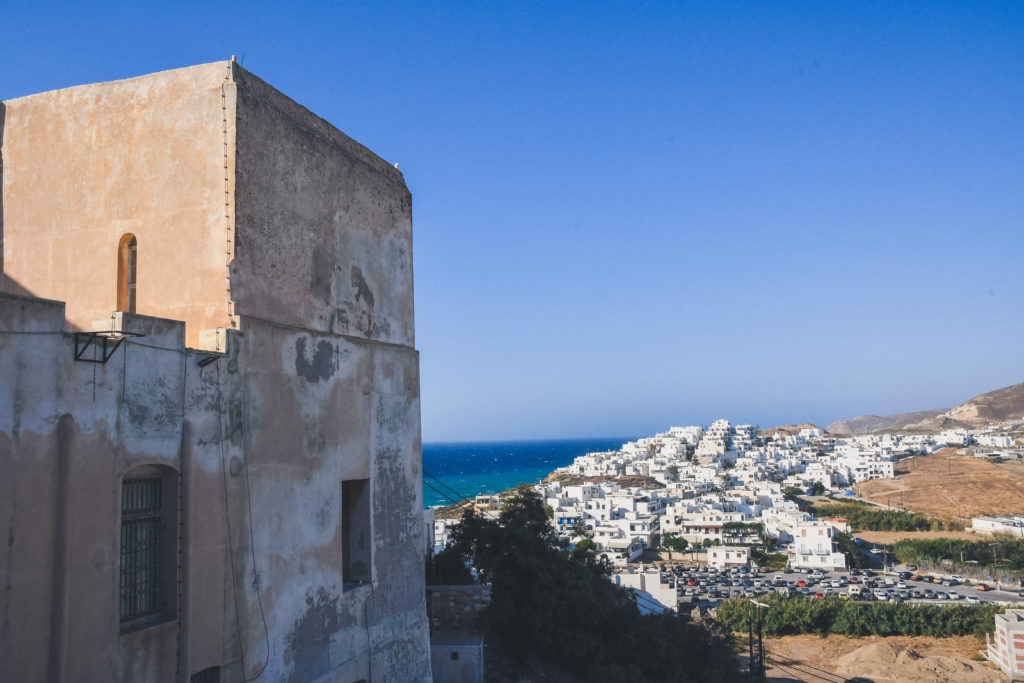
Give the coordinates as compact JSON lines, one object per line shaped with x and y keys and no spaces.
{"x":471,"y":468}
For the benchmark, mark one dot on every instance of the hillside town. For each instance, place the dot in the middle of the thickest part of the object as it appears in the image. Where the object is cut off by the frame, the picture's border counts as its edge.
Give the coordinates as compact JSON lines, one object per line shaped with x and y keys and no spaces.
{"x":728,"y":487}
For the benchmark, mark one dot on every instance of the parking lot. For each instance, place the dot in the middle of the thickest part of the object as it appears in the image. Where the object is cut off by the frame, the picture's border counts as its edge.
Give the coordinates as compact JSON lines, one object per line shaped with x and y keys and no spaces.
{"x":708,"y":587}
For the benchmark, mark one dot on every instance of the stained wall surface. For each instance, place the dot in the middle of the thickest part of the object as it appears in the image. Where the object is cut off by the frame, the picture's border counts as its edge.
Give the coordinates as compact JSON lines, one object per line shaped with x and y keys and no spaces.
{"x":324,"y":225}
{"x":261,"y":425}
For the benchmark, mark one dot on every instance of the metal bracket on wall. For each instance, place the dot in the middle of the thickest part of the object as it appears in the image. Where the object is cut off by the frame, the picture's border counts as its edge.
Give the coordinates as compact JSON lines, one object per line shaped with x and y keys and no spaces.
{"x":206,"y":360}
{"x":106,"y":342}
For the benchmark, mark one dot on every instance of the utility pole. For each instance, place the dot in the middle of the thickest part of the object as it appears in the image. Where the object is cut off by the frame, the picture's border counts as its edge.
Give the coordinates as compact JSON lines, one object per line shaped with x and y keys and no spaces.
{"x":756,"y":648}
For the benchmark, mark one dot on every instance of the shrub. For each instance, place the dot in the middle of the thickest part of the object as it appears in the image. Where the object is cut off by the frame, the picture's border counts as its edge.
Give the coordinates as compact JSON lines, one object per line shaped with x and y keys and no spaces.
{"x":798,"y":615}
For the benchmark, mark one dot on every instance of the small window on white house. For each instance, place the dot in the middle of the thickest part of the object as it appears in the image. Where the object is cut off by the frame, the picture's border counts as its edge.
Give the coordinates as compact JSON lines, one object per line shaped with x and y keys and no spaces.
{"x":356,"y":538}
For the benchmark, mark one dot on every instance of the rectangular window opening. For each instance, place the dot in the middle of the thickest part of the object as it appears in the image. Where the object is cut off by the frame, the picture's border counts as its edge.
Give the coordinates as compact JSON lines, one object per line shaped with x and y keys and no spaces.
{"x":356,"y":539}
{"x":210,"y":675}
{"x":141,"y":508}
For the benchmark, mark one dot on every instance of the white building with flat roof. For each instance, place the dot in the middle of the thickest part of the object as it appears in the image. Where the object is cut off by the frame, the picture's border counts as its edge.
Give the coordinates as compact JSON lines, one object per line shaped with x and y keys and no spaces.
{"x":1006,"y":645}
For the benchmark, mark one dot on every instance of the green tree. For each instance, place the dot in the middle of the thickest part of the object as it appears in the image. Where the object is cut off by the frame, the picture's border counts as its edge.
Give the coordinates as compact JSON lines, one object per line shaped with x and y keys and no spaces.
{"x":561,"y":610}
{"x":580,"y":530}
{"x":848,"y":545}
{"x":674,"y":542}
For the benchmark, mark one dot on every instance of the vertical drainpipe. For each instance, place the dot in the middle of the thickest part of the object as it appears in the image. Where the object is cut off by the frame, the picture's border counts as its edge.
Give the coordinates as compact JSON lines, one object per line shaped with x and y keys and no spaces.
{"x":59,"y":597}
{"x":185,"y":553}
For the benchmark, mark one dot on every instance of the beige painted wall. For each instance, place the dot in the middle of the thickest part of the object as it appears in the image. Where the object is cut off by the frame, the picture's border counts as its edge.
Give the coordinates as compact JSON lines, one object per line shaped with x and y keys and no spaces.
{"x":85,"y":165}
{"x":242,"y":202}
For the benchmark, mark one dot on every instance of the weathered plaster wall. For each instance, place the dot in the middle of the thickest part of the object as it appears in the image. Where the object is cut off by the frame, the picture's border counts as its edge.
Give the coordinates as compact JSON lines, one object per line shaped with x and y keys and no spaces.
{"x":69,"y":431}
{"x":262,"y":444}
{"x":318,"y":384}
{"x":458,"y":608}
{"x":147,"y":156}
{"x":324,"y":226}
{"x":3,"y":119}
{"x":321,"y":409}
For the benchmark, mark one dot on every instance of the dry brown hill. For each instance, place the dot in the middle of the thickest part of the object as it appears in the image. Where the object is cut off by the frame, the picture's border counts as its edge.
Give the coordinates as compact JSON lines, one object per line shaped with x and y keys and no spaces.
{"x":982,"y":410}
{"x":787,"y":430}
{"x":899,"y":658}
{"x":949,"y":484}
{"x":866,"y":424}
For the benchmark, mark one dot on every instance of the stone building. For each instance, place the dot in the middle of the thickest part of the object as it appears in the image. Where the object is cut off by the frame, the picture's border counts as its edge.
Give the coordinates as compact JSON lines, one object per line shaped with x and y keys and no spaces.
{"x":209,"y":390}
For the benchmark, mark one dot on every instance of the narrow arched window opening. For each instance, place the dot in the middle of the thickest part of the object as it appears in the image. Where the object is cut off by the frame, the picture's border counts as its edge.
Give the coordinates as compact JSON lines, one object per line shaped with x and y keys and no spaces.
{"x":127,"y":271}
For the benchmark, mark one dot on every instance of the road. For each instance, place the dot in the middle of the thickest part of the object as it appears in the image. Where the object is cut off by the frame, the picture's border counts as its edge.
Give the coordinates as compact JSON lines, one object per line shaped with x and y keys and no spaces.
{"x":703,"y":595}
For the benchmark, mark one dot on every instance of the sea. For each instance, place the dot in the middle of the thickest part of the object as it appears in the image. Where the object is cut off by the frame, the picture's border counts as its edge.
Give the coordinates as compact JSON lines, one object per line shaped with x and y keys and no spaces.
{"x":457,"y":470}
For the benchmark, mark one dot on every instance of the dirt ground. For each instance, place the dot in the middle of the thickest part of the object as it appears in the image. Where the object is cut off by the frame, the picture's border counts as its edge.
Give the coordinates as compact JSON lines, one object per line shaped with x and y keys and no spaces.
{"x":905,"y":659}
{"x":890,"y":537}
{"x":945,"y":484}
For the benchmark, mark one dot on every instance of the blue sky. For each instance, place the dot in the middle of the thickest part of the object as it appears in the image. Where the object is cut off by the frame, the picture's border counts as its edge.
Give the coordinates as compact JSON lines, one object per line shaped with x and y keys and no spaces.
{"x":633,"y":215}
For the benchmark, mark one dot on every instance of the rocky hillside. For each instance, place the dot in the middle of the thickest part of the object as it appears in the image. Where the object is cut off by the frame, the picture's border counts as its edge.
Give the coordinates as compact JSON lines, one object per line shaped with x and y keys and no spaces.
{"x":866,"y":424}
{"x":787,"y":430}
{"x":985,"y":409}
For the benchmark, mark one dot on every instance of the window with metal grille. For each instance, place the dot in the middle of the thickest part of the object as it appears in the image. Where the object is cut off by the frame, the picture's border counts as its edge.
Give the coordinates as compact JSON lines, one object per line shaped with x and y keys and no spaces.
{"x":141,"y":549}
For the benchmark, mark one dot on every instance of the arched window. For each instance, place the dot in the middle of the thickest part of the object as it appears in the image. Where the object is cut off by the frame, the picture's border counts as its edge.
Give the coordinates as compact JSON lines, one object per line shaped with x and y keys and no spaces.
{"x":149,"y":544}
{"x":127,"y":267}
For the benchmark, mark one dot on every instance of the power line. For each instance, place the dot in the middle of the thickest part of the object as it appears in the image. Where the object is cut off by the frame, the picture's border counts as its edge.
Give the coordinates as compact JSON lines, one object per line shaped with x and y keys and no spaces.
{"x":449,"y":488}
{"x":461,"y":498}
{"x":791,"y":672}
{"x":440,"y":492}
{"x":814,"y":671}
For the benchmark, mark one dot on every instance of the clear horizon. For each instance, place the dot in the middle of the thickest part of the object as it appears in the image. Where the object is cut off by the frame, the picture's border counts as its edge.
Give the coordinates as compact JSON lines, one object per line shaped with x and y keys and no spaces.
{"x":628,"y":217}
